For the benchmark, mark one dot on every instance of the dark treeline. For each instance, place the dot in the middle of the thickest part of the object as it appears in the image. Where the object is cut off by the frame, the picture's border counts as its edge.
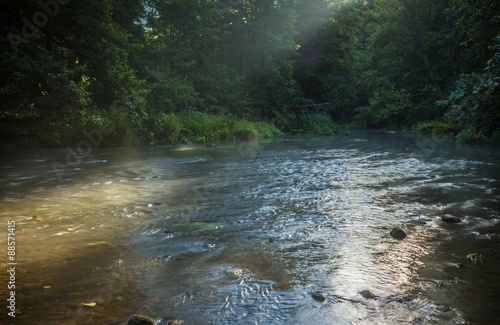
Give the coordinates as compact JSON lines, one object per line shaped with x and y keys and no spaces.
{"x":146,"y":68}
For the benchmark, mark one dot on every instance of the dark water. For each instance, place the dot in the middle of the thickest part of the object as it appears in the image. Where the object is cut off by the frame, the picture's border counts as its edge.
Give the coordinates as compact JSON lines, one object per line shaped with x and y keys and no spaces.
{"x":246,"y":234}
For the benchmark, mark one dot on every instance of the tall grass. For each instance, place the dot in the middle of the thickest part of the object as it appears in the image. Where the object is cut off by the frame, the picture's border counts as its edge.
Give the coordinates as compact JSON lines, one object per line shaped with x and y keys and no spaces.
{"x":131,"y":128}
{"x":199,"y":127}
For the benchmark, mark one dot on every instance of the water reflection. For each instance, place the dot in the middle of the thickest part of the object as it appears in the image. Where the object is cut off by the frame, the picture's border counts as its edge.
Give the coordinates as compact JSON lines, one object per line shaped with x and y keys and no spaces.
{"x":247,"y":234}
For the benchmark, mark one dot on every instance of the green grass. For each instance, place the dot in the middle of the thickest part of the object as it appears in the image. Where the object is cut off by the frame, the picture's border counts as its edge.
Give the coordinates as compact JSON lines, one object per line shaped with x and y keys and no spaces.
{"x":435,"y":126}
{"x":199,"y":127}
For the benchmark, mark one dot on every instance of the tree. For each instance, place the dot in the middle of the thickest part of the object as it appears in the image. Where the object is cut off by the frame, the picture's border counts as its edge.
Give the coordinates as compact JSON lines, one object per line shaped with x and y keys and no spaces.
{"x":410,"y":51}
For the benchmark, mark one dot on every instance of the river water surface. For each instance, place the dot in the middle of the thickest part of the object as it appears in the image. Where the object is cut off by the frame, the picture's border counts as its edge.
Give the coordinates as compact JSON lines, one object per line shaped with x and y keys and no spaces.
{"x":285,"y":232}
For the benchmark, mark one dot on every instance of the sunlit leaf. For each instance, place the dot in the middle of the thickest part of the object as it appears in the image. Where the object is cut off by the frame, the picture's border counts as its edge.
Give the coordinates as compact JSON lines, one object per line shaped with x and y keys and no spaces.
{"x":89,"y":304}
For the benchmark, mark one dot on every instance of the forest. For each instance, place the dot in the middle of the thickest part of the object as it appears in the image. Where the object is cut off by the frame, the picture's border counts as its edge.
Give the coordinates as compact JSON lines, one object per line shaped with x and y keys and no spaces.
{"x":181,"y":71}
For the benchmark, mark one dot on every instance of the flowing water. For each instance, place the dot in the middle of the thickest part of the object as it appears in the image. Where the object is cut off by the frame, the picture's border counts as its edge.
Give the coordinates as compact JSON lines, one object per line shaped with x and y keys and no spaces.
{"x":285,"y":232}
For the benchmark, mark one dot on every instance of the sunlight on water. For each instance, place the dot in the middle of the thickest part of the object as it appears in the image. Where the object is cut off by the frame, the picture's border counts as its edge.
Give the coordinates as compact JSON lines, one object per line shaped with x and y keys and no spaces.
{"x":248,"y":234}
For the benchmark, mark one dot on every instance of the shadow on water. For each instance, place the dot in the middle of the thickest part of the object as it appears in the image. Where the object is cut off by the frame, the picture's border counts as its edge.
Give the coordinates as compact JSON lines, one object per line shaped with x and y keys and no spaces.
{"x":87,"y":287}
{"x":285,"y":232}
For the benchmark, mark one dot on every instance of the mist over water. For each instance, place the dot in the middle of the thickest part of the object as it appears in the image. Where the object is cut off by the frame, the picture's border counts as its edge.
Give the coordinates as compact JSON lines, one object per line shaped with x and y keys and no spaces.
{"x":247,"y":234}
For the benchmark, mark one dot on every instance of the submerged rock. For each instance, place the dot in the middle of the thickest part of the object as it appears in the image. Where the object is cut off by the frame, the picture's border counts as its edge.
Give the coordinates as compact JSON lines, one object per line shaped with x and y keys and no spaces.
{"x":397,"y":233}
{"x":367,"y":294}
{"x":318,"y":296}
{"x":448,"y":218}
{"x":237,"y":271}
{"x":141,"y":320}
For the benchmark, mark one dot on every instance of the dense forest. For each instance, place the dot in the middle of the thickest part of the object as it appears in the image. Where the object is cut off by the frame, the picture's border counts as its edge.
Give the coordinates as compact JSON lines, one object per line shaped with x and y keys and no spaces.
{"x":134,"y":71}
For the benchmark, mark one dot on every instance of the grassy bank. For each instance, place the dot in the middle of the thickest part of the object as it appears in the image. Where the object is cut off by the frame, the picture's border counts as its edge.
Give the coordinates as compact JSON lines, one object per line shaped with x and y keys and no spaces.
{"x":198,"y":127}
{"x":462,"y":135}
{"x":123,"y":128}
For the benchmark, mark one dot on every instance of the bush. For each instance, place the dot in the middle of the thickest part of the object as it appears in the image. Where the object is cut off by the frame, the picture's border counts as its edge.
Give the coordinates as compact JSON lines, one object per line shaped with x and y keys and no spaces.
{"x":321,"y":124}
{"x":470,"y":135}
{"x":389,"y":108}
{"x":199,"y":127}
{"x":435,"y":126}
{"x":267,"y":130}
{"x":167,"y":127}
{"x":314,"y":123}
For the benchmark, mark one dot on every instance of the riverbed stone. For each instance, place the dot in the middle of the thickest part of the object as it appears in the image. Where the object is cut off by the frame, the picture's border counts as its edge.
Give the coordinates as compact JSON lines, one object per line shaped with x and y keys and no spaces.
{"x":448,"y":218}
{"x":237,"y":271}
{"x":141,"y":320}
{"x":397,"y":233}
{"x":367,"y":294}
{"x":318,"y":296}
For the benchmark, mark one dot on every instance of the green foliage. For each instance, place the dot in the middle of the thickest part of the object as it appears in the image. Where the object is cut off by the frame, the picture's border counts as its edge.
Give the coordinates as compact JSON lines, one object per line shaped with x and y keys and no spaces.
{"x":320,"y":124}
{"x":313,"y":123}
{"x":166,"y":126}
{"x":435,"y":126}
{"x":199,"y":127}
{"x":267,"y":130}
{"x":189,"y":70}
{"x":389,"y":107}
{"x":171,"y":94}
{"x":471,"y":135}
{"x":472,"y":102}
{"x":472,"y":108}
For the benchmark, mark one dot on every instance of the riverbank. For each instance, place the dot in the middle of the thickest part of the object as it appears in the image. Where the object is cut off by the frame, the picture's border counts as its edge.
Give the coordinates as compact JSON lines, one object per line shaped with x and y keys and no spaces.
{"x":124,"y":129}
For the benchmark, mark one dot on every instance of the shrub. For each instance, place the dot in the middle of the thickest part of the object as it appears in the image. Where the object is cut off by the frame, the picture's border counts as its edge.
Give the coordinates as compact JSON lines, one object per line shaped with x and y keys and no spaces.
{"x":435,"y":126}
{"x":470,"y":135}
{"x":167,"y":127}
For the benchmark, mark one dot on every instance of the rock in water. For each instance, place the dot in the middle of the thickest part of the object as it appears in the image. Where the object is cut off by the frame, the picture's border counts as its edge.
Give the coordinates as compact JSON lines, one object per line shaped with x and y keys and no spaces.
{"x":318,"y":296}
{"x":397,"y":233}
{"x":367,"y":294}
{"x":141,"y":320}
{"x":451,"y":218}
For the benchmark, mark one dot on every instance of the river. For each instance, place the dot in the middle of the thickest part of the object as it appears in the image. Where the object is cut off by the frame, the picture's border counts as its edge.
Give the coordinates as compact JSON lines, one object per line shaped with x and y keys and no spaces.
{"x":282,"y":232}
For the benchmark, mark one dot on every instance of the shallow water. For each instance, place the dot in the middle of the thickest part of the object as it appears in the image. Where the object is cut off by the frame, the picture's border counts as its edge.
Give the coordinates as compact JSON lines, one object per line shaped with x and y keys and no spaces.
{"x":246,"y":234}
